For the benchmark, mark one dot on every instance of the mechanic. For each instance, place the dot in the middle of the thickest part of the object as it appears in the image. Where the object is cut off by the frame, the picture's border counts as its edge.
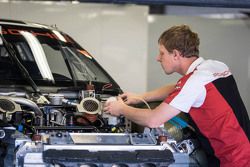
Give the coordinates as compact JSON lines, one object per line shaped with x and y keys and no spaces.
{"x":207,"y":92}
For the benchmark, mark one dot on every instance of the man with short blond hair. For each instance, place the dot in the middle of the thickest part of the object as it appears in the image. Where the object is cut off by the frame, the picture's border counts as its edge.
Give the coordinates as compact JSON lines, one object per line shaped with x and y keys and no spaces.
{"x":207,"y":91}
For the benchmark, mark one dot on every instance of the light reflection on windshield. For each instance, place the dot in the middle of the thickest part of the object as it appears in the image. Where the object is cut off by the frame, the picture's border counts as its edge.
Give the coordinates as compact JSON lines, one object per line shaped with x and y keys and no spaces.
{"x":39,"y":55}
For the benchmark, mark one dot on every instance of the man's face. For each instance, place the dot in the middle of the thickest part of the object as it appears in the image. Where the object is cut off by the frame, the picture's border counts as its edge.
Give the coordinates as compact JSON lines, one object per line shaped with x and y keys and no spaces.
{"x":166,"y":59}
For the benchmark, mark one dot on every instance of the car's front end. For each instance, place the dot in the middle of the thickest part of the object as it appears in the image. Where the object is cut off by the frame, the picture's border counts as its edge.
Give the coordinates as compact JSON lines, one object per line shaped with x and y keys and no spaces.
{"x":52,"y":93}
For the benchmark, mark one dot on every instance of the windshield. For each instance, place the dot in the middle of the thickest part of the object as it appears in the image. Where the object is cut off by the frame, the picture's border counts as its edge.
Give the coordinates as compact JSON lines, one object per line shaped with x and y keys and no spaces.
{"x":50,"y":57}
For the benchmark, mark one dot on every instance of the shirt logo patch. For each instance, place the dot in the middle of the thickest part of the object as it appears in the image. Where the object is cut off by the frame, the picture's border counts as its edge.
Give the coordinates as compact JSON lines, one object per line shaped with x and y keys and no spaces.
{"x":222,"y":74}
{"x":178,"y":85}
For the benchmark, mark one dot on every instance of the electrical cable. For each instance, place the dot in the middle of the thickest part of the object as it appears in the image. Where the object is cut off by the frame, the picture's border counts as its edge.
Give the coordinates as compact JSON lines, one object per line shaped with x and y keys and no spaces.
{"x":141,"y":99}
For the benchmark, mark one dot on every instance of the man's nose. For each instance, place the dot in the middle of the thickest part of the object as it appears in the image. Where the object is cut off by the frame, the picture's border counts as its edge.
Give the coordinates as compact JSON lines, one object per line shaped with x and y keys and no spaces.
{"x":158,"y":58}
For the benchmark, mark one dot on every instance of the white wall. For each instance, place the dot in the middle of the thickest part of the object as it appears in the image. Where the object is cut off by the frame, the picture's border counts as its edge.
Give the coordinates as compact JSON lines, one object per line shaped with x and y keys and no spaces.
{"x":225,"y":40}
{"x":116,"y":35}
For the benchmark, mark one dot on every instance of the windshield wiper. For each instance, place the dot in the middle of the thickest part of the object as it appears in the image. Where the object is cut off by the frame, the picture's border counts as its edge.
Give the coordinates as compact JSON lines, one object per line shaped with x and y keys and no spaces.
{"x":22,"y":69}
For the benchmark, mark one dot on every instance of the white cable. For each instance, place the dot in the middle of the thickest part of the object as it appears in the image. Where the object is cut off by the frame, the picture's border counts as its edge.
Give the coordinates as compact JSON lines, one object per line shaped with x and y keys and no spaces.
{"x":141,"y":99}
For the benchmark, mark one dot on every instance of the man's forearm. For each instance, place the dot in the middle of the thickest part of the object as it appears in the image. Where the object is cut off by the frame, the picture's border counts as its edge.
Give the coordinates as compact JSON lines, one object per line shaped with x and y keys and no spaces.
{"x":150,"y":118}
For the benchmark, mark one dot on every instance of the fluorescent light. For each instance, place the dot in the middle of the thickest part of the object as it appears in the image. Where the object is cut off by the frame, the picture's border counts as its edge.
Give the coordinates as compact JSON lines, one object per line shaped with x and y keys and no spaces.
{"x":225,"y":16}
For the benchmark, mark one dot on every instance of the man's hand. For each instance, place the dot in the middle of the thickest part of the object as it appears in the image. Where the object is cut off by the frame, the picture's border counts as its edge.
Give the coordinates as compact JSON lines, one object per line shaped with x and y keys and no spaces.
{"x":114,"y":108}
{"x":131,"y":98}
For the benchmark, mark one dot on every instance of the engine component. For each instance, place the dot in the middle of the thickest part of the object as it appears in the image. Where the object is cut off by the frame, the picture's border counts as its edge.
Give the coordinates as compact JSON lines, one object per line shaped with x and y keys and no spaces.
{"x":142,"y":139}
{"x":56,"y":99}
{"x":56,"y":117}
{"x":101,"y":150}
{"x":89,"y":105}
{"x":8,"y":106}
{"x":110,"y":158}
{"x":112,"y":120}
{"x":2,"y":133}
{"x":174,"y":131}
{"x":29,"y":103}
{"x":187,"y":146}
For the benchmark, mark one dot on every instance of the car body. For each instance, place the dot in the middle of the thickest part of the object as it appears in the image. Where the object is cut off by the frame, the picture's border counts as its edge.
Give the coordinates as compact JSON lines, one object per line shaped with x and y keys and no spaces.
{"x":52,"y":93}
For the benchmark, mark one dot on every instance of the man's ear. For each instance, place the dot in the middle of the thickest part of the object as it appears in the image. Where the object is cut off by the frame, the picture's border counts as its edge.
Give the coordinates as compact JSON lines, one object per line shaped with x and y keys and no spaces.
{"x":176,"y":54}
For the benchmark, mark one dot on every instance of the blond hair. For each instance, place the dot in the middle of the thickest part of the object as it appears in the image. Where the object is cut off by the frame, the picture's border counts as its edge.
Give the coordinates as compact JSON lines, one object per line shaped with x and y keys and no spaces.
{"x":182,"y":39}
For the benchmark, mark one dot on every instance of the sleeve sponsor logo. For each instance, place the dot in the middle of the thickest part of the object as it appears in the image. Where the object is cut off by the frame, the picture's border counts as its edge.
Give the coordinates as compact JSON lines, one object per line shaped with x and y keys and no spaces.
{"x":222,"y":74}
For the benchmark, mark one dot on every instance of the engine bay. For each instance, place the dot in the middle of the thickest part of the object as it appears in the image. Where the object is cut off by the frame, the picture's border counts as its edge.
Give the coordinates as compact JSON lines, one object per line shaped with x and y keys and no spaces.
{"x":70,"y":125}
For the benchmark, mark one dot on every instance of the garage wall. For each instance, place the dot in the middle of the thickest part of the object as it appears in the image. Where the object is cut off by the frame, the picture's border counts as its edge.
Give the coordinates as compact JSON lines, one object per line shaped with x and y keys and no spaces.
{"x":116,"y":35}
{"x":226,"y":40}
